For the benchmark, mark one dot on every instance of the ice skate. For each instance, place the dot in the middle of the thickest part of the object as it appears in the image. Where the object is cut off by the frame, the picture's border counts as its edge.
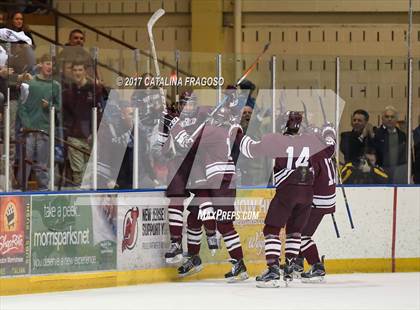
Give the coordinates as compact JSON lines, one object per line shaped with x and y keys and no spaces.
{"x":174,"y":254}
{"x":270,"y":278}
{"x":213,"y":243}
{"x":297,"y":268}
{"x":314,"y":275}
{"x":288,"y":270}
{"x":191,"y":266}
{"x":238,"y":272}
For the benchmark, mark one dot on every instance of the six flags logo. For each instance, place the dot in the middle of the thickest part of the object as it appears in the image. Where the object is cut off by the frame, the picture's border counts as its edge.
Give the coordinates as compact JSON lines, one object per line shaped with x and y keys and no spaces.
{"x":130,"y":229}
{"x":10,"y":217}
{"x":11,"y":230}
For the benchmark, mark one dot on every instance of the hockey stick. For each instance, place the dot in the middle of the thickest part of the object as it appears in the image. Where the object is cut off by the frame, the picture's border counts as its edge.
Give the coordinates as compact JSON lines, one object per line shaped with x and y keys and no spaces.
{"x":152,"y":21}
{"x":282,"y":103}
{"x":324,"y":115}
{"x":335,"y":225}
{"x":307,"y":124}
{"x":199,"y":128}
{"x":338,"y":172}
{"x":254,"y":64}
{"x":305,"y":112}
{"x":346,"y":202}
{"x":246,"y":73}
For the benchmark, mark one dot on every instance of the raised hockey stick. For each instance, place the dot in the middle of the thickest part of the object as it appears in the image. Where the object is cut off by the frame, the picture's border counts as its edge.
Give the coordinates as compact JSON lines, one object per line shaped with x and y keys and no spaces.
{"x":305,"y":114}
{"x":324,"y":115}
{"x":240,"y":80}
{"x":152,"y":21}
{"x":253,"y":65}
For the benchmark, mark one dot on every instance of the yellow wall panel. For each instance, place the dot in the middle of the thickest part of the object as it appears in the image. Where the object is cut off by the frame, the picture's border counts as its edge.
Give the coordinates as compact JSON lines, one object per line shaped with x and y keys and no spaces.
{"x":155,"y":5}
{"x":169,"y":5}
{"x":183,"y":6}
{"x":90,"y":7}
{"x":115,"y":7}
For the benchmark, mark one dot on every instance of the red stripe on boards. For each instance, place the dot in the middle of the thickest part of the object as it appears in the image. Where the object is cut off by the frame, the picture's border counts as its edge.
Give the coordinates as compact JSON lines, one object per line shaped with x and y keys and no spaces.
{"x":394,"y":227}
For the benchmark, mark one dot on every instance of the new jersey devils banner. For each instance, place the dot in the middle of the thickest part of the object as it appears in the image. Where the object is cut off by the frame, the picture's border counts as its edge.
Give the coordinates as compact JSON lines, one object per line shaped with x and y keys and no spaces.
{"x":14,"y":235}
{"x":142,"y":230}
{"x":143,"y":236}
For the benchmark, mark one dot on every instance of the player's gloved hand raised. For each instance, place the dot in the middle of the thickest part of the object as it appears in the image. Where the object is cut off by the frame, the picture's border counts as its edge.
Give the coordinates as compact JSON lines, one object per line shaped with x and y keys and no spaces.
{"x":328,"y":133}
{"x":169,"y":120}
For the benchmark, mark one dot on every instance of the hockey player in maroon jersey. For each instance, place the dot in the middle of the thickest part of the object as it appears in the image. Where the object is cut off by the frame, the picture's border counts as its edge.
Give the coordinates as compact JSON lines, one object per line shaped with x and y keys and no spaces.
{"x":216,"y":142}
{"x":295,"y":155}
{"x":323,"y":203}
{"x":180,"y":171}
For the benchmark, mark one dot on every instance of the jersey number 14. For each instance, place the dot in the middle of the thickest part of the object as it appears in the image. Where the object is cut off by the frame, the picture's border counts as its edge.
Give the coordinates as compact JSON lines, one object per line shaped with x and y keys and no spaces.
{"x":301,"y":161}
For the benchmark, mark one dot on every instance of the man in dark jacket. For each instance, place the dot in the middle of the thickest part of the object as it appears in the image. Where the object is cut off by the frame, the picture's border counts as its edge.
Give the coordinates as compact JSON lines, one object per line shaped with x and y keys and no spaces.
{"x":78,"y":102}
{"x":353,"y":143}
{"x":391,"y":147}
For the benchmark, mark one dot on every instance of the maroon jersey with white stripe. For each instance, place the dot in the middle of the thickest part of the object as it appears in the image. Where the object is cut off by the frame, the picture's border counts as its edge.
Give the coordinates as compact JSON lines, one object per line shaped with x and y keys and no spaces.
{"x":214,"y":150}
{"x":189,"y":123}
{"x":325,"y":186}
{"x":295,"y":155}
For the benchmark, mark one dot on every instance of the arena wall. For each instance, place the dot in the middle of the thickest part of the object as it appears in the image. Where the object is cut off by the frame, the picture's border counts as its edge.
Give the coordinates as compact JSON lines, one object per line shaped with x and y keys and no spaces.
{"x":74,"y":241}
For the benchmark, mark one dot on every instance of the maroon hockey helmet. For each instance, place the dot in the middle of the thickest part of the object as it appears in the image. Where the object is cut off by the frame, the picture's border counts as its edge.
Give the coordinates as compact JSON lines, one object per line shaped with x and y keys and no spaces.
{"x":293,"y":122}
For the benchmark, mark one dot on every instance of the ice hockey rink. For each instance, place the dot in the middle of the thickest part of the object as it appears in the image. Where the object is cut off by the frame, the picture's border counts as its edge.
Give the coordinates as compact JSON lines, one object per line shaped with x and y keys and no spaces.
{"x":340,"y":291}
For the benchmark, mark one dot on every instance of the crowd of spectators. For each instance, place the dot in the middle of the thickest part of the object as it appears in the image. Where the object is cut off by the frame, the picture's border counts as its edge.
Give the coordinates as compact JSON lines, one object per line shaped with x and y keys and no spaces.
{"x":388,"y":143}
{"x":71,"y":83}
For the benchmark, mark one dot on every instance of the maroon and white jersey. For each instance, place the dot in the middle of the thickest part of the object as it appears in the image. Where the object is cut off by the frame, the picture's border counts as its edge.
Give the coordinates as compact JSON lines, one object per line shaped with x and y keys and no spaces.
{"x":188,"y":122}
{"x":214,"y":150}
{"x":194,"y":175}
{"x":325,"y":186}
{"x":191,"y":122}
{"x":295,"y":155}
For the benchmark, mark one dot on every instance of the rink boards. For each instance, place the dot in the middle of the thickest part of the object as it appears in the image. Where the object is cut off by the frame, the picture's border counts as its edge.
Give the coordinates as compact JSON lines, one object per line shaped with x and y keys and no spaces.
{"x":51,"y":242}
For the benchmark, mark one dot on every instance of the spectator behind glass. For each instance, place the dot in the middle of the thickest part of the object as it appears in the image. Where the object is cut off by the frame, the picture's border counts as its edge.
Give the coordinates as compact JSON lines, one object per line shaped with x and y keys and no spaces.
{"x":252,"y":171}
{"x":125,"y":175}
{"x":13,"y":71}
{"x":74,"y":51}
{"x":247,"y":85}
{"x":416,"y":167}
{"x":76,"y":38}
{"x":16,"y":23}
{"x":353,"y":143}
{"x":391,"y":147}
{"x":33,"y":113}
{"x":78,"y":101}
{"x":365,"y":170}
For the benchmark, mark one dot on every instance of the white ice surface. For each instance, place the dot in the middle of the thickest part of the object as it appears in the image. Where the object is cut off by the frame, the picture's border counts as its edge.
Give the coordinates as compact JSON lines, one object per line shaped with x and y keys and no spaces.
{"x":350,"y":291}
